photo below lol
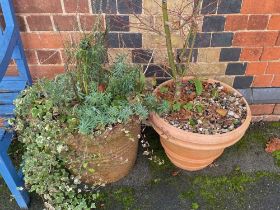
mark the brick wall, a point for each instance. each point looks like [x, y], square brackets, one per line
[238, 43]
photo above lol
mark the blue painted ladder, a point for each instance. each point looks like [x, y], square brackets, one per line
[10, 86]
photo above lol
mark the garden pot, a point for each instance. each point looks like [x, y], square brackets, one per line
[193, 151]
[106, 158]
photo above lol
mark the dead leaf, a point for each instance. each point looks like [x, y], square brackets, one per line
[222, 112]
[273, 145]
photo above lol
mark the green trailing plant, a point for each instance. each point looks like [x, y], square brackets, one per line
[44, 118]
[87, 99]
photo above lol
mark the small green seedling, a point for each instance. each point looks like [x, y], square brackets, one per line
[188, 106]
[198, 86]
[164, 107]
[215, 93]
[199, 108]
[163, 89]
[176, 106]
[192, 122]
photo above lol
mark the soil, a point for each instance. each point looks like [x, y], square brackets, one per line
[214, 111]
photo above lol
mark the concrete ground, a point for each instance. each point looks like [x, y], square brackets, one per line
[244, 177]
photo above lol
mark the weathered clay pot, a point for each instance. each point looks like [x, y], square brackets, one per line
[107, 158]
[192, 151]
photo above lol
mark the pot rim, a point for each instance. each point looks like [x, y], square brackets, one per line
[207, 138]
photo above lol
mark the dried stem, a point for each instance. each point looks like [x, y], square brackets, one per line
[176, 20]
[169, 47]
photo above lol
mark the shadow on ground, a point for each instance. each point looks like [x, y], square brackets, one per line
[244, 177]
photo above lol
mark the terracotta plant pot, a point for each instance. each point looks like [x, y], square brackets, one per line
[193, 151]
[107, 158]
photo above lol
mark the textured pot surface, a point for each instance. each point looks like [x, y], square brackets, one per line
[193, 151]
[107, 158]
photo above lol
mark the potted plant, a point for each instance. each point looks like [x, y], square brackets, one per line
[202, 117]
[81, 130]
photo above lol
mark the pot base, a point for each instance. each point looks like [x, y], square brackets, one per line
[187, 161]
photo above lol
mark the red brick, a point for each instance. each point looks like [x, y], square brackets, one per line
[12, 70]
[276, 81]
[49, 57]
[74, 6]
[257, 22]
[251, 54]
[37, 6]
[66, 23]
[262, 109]
[39, 23]
[273, 68]
[260, 7]
[236, 22]
[274, 22]
[278, 40]
[271, 53]
[89, 21]
[31, 56]
[46, 71]
[262, 80]
[21, 23]
[257, 68]
[277, 109]
[52, 40]
[12, 62]
[255, 39]
[37, 41]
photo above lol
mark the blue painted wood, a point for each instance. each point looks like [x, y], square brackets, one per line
[13, 180]
[7, 110]
[7, 98]
[6, 141]
[12, 86]
[8, 12]
[12, 78]
[7, 44]
[2, 132]
[11, 48]
[9, 41]
[21, 62]
[11, 44]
